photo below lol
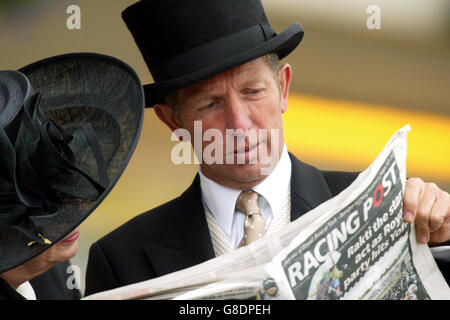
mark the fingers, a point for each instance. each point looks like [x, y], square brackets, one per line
[442, 236]
[411, 199]
[440, 218]
[423, 214]
[429, 207]
[440, 210]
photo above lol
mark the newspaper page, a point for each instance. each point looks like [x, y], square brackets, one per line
[249, 271]
[358, 248]
[362, 249]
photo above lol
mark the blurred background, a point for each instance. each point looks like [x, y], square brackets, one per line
[353, 87]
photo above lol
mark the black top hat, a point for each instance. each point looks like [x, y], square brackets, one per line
[68, 127]
[185, 41]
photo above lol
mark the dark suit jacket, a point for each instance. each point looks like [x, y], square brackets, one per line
[175, 235]
[51, 285]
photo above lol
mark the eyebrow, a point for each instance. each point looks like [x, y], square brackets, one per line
[195, 93]
[254, 81]
[200, 96]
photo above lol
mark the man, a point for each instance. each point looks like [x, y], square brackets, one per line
[215, 63]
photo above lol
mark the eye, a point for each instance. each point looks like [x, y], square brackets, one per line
[211, 105]
[254, 91]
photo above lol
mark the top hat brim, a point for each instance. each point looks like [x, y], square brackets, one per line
[76, 89]
[281, 44]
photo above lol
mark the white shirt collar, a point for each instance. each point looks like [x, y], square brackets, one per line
[221, 200]
[26, 290]
[275, 187]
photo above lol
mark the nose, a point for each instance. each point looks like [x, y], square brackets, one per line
[238, 113]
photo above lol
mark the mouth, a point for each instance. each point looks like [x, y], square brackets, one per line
[247, 149]
[72, 237]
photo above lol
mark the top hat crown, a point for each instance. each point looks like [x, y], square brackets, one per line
[186, 41]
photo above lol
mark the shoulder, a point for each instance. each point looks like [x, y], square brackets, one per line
[157, 218]
[150, 224]
[150, 227]
[336, 181]
[120, 257]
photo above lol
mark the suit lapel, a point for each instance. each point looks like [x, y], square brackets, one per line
[308, 188]
[186, 239]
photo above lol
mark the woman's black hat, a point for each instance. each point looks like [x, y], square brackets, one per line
[186, 41]
[68, 127]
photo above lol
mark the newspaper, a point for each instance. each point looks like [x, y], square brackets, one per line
[354, 246]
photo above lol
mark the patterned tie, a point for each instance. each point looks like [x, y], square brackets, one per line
[254, 224]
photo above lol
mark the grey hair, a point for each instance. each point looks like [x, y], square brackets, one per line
[271, 59]
[273, 62]
[172, 101]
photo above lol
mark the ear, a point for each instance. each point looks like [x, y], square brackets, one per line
[285, 75]
[166, 114]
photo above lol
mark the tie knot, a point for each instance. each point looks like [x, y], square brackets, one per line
[247, 202]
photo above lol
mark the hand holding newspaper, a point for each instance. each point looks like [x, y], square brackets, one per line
[353, 246]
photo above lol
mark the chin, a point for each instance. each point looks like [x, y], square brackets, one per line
[65, 251]
[248, 173]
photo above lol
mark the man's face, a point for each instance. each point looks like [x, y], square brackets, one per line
[245, 99]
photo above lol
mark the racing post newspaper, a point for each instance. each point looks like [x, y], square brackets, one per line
[353, 246]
